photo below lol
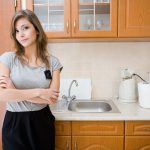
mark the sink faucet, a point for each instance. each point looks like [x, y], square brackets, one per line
[69, 97]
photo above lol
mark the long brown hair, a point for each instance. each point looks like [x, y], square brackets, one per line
[41, 41]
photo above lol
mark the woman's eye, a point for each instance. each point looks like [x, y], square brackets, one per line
[17, 31]
[25, 28]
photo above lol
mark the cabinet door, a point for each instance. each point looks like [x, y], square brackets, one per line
[54, 16]
[7, 10]
[134, 18]
[94, 18]
[63, 127]
[2, 112]
[137, 143]
[63, 143]
[97, 142]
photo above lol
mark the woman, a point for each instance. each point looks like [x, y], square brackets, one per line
[29, 81]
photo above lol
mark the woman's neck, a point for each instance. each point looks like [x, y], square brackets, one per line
[31, 52]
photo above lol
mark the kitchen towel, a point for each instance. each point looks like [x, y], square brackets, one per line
[82, 91]
[144, 94]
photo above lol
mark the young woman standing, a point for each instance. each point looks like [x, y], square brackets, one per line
[29, 81]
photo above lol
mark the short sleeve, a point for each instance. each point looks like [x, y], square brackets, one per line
[6, 59]
[56, 63]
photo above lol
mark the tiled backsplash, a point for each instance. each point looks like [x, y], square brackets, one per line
[102, 62]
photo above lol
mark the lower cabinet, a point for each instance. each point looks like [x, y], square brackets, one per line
[137, 135]
[63, 143]
[97, 135]
[63, 135]
[89, 135]
[102, 135]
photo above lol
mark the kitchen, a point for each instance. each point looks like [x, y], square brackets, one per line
[102, 59]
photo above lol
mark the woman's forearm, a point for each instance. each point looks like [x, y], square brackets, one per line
[38, 100]
[18, 95]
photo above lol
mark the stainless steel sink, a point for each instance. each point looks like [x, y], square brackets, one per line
[102, 106]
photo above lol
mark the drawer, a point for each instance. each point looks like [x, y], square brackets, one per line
[137, 128]
[97, 127]
[63, 127]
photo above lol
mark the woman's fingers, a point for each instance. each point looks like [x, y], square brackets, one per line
[3, 81]
[6, 80]
[3, 85]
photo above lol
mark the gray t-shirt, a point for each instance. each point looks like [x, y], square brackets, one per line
[27, 77]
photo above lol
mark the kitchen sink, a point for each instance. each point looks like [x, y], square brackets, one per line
[101, 106]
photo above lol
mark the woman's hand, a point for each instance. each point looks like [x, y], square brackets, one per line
[5, 82]
[51, 95]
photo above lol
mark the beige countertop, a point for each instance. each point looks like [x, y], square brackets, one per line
[128, 111]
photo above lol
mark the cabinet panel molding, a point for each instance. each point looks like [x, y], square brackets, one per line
[98, 128]
[137, 127]
[97, 142]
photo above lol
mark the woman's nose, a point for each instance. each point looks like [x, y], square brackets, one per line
[21, 34]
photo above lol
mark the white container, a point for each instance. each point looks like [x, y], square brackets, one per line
[128, 90]
[144, 94]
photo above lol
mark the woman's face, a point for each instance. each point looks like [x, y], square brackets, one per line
[25, 33]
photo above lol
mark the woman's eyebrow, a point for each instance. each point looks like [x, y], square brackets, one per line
[22, 26]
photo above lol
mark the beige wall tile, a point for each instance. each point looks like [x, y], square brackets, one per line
[102, 62]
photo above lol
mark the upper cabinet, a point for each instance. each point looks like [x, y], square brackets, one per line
[7, 10]
[93, 18]
[134, 18]
[54, 16]
[76, 18]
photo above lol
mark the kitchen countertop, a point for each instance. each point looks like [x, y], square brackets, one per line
[128, 111]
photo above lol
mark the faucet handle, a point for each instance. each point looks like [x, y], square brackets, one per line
[73, 97]
[64, 97]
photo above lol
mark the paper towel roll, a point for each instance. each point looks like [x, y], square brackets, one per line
[144, 94]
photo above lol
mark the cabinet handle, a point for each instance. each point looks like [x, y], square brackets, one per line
[67, 26]
[74, 25]
[67, 146]
[147, 129]
[75, 146]
[15, 3]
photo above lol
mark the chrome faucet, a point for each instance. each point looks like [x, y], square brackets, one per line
[69, 97]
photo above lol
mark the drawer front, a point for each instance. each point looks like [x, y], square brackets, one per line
[98, 128]
[63, 127]
[137, 127]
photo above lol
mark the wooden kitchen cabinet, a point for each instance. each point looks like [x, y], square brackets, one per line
[76, 18]
[86, 19]
[63, 135]
[7, 10]
[134, 18]
[137, 135]
[95, 135]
